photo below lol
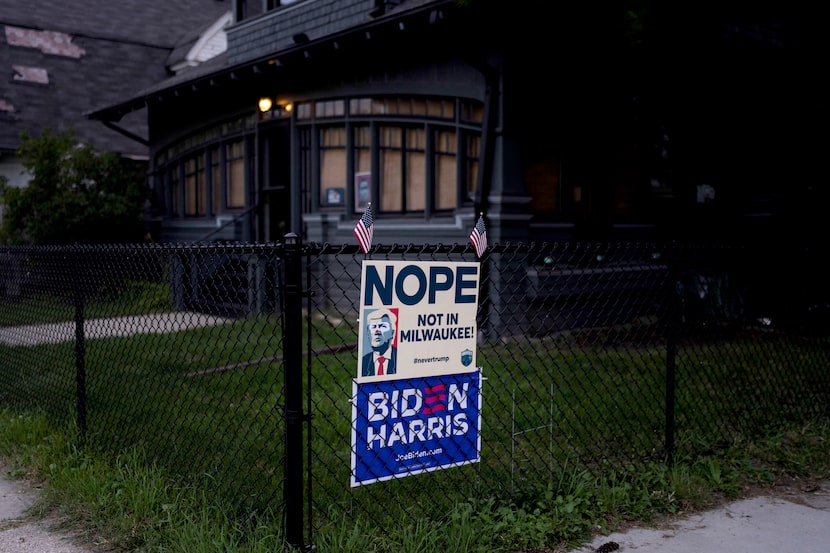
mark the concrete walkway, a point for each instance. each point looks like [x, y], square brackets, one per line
[20, 533]
[794, 522]
[32, 335]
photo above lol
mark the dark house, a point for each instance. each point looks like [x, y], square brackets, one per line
[61, 60]
[558, 122]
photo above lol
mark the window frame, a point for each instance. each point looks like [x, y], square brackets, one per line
[213, 190]
[427, 117]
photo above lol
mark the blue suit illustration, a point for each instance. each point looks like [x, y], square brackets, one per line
[381, 326]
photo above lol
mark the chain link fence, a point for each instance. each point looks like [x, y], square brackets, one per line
[235, 363]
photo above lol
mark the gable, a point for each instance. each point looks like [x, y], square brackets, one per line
[61, 60]
[207, 45]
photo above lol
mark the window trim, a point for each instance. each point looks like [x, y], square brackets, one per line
[355, 114]
[171, 163]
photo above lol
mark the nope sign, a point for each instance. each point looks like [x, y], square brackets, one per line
[426, 311]
[412, 284]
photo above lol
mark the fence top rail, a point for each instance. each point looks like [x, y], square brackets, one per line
[168, 248]
[315, 248]
[572, 247]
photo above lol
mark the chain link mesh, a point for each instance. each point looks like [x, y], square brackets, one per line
[594, 356]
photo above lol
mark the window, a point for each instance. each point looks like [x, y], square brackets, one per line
[194, 177]
[443, 109]
[472, 161]
[472, 112]
[246, 9]
[216, 180]
[360, 106]
[403, 177]
[446, 170]
[205, 174]
[362, 167]
[303, 111]
[332, 160]
[391, 169]
[416, 170]
[175, 191]
[235, 156]
[417, 154]
[331, 108]
[363, 149]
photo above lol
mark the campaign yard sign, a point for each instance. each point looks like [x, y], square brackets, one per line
[410, 426]
[416, 397]
[420, 315]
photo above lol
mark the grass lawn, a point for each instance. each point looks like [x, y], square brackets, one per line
[573, 434]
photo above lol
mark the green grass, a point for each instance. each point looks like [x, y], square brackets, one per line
[209, 401]
[184, 445]
[128, 503]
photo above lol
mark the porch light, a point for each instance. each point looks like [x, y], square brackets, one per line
[265, 104]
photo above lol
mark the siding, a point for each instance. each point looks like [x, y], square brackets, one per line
[274, 31]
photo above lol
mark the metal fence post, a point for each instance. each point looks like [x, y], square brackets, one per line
[80, 347]
[293, 355]
[674, 322]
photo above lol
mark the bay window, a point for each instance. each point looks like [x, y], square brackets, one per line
[410, 155]
[205, 173]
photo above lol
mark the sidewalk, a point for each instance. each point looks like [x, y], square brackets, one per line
[794, 522]
[22, 534]
[54, 333]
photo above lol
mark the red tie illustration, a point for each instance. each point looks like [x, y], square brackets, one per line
[380, 365]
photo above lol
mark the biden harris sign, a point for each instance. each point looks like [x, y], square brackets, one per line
[416, 403]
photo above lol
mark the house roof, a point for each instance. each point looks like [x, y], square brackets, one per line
[287, 50]
[223, 68]
[60, 60]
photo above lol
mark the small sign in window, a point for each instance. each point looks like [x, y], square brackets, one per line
[362, 190]
[335, 196]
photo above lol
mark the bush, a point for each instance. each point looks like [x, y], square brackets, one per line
[75, 195]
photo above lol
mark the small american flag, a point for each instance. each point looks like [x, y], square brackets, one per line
[364, 229]
[478, 238]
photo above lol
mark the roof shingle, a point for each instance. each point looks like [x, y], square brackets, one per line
[60, 60]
